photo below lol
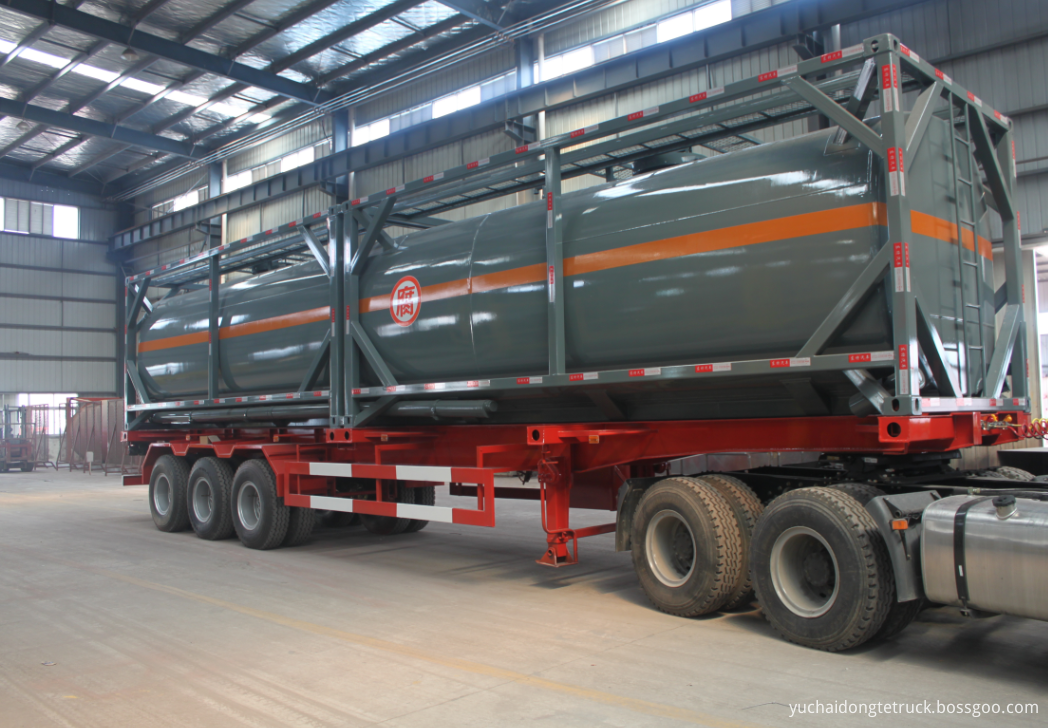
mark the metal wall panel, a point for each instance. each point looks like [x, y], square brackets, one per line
[86, 344]
[613, 20]
[31, 312]
[276, 148]
[88, 315]
[436, 85]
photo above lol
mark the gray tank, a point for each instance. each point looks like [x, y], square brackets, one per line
[725, 259]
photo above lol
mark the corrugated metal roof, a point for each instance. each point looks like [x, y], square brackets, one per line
[254, 35]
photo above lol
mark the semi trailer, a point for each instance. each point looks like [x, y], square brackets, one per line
[833, 294]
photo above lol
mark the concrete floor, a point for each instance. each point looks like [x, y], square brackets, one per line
[452, 626]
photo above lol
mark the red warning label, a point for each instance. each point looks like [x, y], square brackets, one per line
[405, 301]
[904, 356]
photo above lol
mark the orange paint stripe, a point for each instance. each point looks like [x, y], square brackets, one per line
[935, 227]
[251, 327]
[783, 228]
[810, 223]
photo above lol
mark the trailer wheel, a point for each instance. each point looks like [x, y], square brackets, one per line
[389, 525]
[687, 550]
[821, 569]
[862, 492]
[337, 519]
[258, 517]
[167, 493]
[747, 508]
[899, 617]
[424, 496]
[1010, 473]
[208, 504]
[300, 526]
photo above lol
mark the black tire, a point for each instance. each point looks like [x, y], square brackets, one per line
[337, 519]
[3, 466]
[259, 518]
[899, 617]
[299, 526]
[747, 508]
[1010, 473]
[167, 493]
[28, 466]
[209, 498]
[388, 525]
[862, 492]
[687, 550]
[425, 495]
[820, 550]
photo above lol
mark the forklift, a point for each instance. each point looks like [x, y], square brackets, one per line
[16, 447]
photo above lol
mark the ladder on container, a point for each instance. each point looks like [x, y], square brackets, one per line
[968, 383]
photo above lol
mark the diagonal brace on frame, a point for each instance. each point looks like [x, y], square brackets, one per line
[837, 113]
[371, 354]
[320, 359]
[921, 116]
[931, 345]
[984, 153]
[849, 303]
[1002, 351]
[317, 250]
[372, 234]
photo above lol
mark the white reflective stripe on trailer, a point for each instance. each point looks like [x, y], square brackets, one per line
[337, 470]
[442, 514]
[325, 503]
[423, 472]
[424, 513]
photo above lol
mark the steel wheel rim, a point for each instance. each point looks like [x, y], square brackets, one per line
[249, 506]
[162, 495]
[203, 500]
[671, 548]
[805, 572]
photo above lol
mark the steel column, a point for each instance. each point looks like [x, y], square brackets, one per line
[555, 263]
[904, 306]
[214, 278]
[338, 258]
[1013, 268]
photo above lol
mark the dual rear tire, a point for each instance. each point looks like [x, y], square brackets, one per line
[818, 562]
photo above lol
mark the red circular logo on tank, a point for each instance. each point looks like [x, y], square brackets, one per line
[405, 301]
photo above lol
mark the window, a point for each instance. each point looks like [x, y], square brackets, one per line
[238, 180]
[181, 202]
[713, 14]
[456, 102]
[370, 132]
[674, 27]
[40, 218]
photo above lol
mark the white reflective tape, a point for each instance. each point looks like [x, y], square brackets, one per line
[787, 70]
[802, 362]
[424, 513]
[882, 356]
[423, 472]
[326, 503]
[332, 470]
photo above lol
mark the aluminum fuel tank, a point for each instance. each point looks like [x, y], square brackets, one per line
[1005, 556]
[729, 258]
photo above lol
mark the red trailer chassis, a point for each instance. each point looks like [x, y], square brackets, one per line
[578, 465]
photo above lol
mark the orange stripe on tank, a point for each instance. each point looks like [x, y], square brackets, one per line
[935, 227]
[755, 233]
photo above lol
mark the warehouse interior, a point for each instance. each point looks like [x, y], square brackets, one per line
[138, 134]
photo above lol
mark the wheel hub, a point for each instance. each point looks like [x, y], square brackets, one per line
[804, 572]
[670, 546]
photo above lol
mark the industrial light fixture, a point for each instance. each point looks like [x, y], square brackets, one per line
[129, 54]
[23, 125]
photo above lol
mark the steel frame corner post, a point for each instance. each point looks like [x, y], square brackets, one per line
[904, 308]
[213, 305]
[130, 355]
[338, 260]
[555, 263]
[349, 279]
[1013, 271]
[134, 390]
